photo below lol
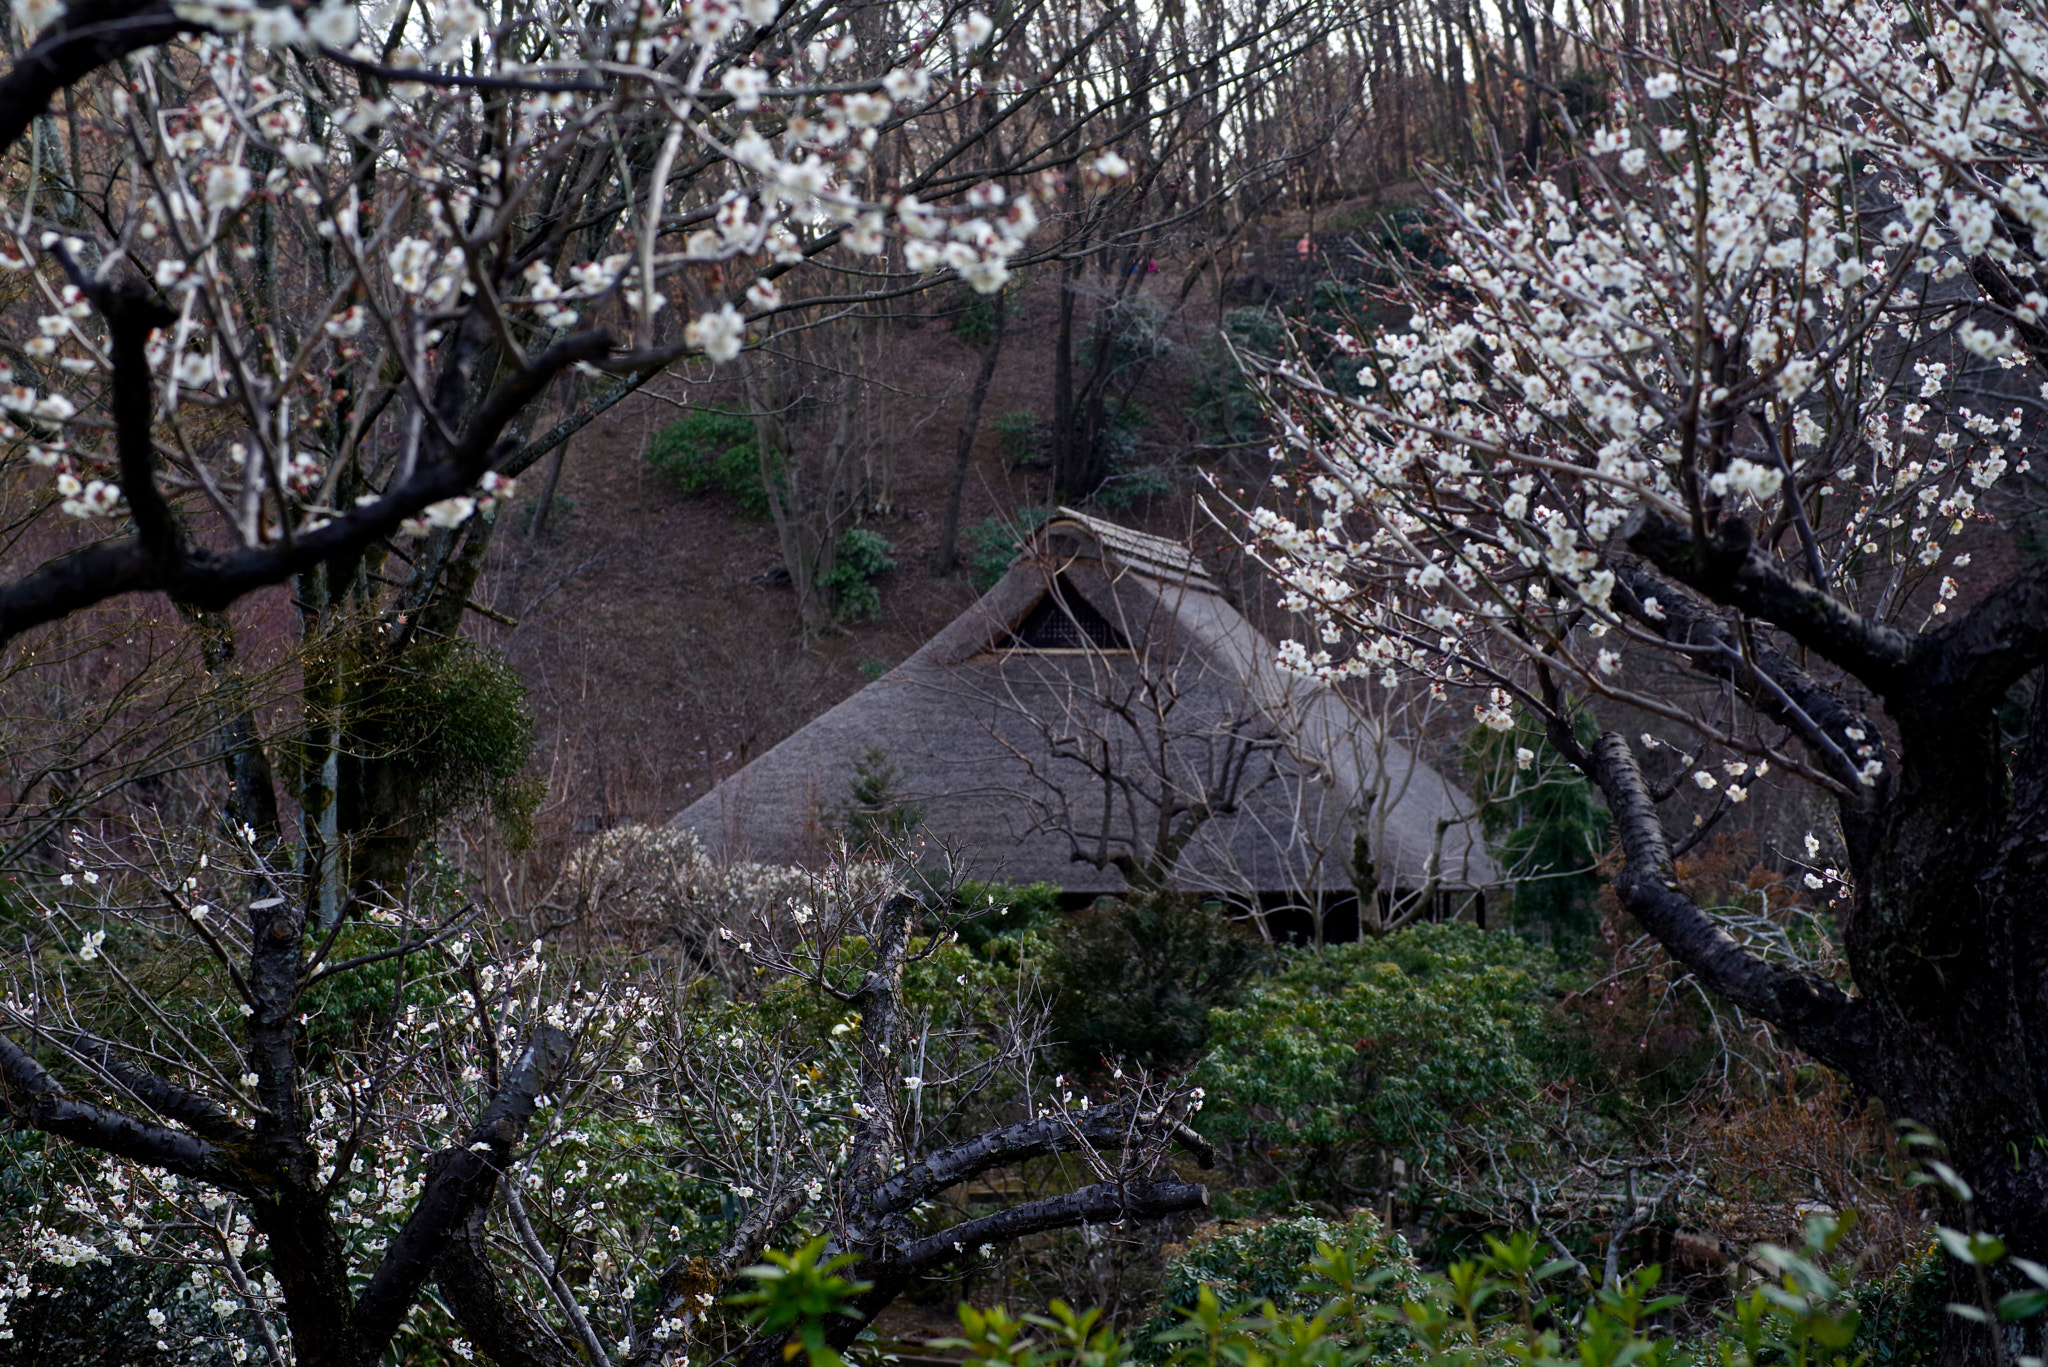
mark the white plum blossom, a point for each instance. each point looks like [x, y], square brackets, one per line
[410, 259]
[1744, 476]
[865, 109]
[450, 512]
[275, 26]
[908, 83]
[37, 15]
[333, 24]
[972, 31]
[226, 187]
[1482, 482]
[745, 84]
[719, 334]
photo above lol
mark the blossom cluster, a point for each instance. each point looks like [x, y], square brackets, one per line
[1754, 304]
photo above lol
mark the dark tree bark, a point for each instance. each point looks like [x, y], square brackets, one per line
[970, 427]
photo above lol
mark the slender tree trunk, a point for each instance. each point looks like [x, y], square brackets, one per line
[970, 427]
[543, 508]
[1532, 139]
[325, 696]
[1064, 456]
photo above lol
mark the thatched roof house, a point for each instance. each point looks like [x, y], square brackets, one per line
[1104, 716]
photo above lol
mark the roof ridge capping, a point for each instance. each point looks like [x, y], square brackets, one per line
[1156, 557]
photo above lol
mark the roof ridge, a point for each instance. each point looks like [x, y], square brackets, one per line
[1158, 556]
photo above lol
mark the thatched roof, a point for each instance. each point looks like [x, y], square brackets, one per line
[1104, 674]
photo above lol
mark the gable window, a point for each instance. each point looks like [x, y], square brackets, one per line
[1064, 620]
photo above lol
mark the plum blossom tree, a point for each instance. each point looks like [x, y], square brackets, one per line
[1703, 424]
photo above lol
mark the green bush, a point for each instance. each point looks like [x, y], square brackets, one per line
[974, 313]
[878, 815]
[712, 451]
[993, 544]
[1135, 981]
[1225, 409]
[1137, 333]
[985, 915]
[1508, 1306]
[95, 1314]
[1128, 483]
[1274, 1261]
[1355, 1055]
[1023, 439]
[343, 1011]
[1903, 1311]
[1429, 952]
[455, 715]
[863, 555]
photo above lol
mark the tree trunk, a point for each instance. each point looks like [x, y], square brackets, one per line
[1946, 935]
[1064, 456]
[970, 427]
[538, 527]
[319, 767]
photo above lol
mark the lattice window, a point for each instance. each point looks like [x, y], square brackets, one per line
[1064, 620]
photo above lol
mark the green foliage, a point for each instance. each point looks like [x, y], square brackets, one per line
[1224, 405]
[1548, 828]
[454, 714]
[1429, 952]
[1255, 330]
[987, 915]
[1393, 1049]
[863, 555]
[1902, 1312]
[995, 1336]
[341, 1011]
[993, 544]
[22, 1185]
[712, 451]
[1137, 333]
[1275, 1262]
[73, 1305]
[797, 1295]
[1128, 483]
[974, 313]
[961, 1004]
[878, 814]
[1023, 439]
[1390, 237]
[1135, 980]
[1367, 1305]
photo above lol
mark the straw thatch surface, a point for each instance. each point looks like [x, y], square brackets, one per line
[1022, 760]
